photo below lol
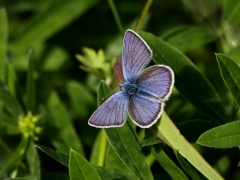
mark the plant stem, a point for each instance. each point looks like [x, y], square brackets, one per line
[116, 16]
[143, 15]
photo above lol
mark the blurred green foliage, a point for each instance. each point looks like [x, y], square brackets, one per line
[53, 54]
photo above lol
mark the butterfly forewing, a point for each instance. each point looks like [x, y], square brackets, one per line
[111, 113]
[136, 55]
[144, 112]
[157, 80]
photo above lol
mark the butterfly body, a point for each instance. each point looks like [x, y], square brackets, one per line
[142, 92]
[132, 89]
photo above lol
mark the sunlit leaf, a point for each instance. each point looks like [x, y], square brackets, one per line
[99, 149]
[187, 167]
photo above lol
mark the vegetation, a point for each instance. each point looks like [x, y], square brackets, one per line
[57, 56]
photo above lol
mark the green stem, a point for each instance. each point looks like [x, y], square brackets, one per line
[143, 15]
[116, 16]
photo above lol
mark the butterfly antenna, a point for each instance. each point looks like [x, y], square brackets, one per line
[109, 94]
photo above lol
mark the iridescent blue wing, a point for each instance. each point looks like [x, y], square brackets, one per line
[158, 80]
[111, 113]
[135, 56]
[143, 111]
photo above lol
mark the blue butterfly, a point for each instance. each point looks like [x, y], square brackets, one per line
[142, 92]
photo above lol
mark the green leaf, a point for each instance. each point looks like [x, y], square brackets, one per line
[33, 162]
[168, 132]
[80, 97]
[99, 149]
[231, 11]
[58, 156]
[10, 124]
[192, 129]
[79, 168]
[167, 163]
[187, 167]
[30, 84]
[54, 59]
[16, 157]
[230, 74]
[188, 80]
[190, 38]
[3, 42]
[114, 162]
[150, 139]
[61, 119]
[104, 173]
[107, 174]
[9, 101]
[225, 136]
[126, 145]
[54, 18]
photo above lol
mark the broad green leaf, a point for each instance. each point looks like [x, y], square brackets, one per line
[9, 101]
[168, 132]
[49, 22]
[107, 174]
[3, 42]
[33, 162]
[79, 168]
[167, 163]
[104, 173]
[192, 129]
[190, 38]
[80, 97]
[9, 124]
[187, 167]
[114, 162]
[99, 149]
[30, 84]
[230, 73]
[58, 156]
[126, 145]
[188, 80]
[16, 157]
[225, 136]
[61, 119]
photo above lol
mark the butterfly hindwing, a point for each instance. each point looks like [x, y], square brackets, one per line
[111, 113]
[136, 55]
[143, 111]
[158, 80]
